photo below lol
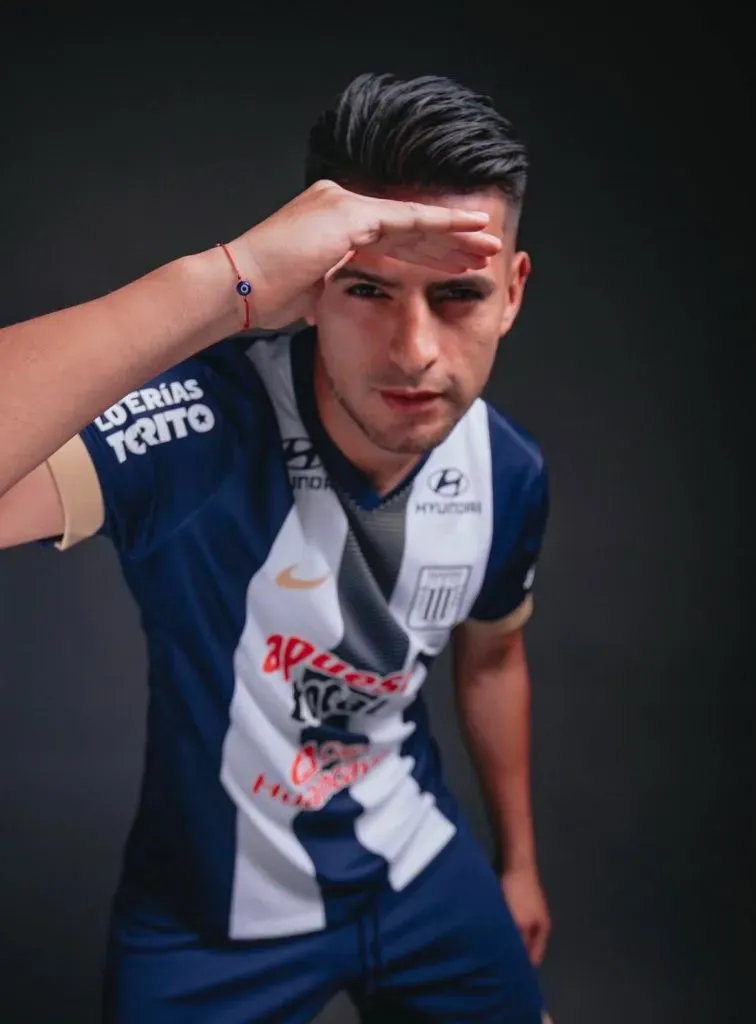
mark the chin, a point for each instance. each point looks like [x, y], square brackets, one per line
[411, 437]
[415, 441]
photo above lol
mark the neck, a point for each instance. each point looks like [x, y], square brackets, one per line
[384, 469]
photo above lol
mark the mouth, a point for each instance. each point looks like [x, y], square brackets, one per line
[407, 400]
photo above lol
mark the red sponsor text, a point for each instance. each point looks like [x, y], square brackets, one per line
[323, 782]
[287, 652]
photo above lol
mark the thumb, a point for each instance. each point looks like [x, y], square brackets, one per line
[344, 260]
[304, 305]
[538, 944]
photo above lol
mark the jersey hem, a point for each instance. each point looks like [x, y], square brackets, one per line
[515, 619]
[276, 928]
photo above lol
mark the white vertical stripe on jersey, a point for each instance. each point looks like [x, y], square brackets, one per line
[400, 822]
[275, 891]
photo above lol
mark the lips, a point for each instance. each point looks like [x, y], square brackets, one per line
[409, 400]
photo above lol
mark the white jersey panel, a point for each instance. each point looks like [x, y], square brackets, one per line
[275, 890]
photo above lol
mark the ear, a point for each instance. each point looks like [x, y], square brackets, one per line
[519, 272]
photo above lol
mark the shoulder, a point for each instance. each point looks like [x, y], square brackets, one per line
[520, 508]
[233, 358]
[208, 402]
[224, 376]
[517, 459]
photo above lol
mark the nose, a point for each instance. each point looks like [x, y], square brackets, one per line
[414, 344]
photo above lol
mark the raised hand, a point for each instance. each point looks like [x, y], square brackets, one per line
[289, 255]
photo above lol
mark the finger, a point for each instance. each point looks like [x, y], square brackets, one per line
[477, 242]
[527, 933]
[389, 217]
[452, 263]
[539, 943]
[425, 217]
[440, 255]
[435, 246]
[440, 246]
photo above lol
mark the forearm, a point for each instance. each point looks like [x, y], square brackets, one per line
[59, 371]
[494, 704]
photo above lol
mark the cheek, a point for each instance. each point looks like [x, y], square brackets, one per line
[345, 355]
[474, 371]
[365, 319]
[470, 360]
[353, 332]
[476, 346]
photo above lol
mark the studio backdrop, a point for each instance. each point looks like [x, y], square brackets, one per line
[631, 363]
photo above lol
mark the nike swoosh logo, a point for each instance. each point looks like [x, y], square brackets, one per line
[287, 579]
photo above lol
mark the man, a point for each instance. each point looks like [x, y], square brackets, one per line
[304, 520]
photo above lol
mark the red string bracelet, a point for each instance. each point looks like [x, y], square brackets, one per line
[243, 287]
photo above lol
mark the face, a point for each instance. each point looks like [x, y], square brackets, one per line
[403, 351]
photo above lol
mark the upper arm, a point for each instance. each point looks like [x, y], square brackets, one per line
[506, 597]
[148, 463]
[484, 647]
[31, 510]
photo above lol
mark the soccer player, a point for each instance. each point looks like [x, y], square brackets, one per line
[305, 517]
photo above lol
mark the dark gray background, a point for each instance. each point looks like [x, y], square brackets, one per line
[631, 363]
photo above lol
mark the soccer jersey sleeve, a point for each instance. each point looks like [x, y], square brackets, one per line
[521, 516]
[152, 460]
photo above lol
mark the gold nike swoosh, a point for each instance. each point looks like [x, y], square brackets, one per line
[286, 578]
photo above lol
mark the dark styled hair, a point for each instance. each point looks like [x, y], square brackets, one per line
[428, 133]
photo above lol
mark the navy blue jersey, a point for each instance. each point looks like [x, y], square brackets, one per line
[291, 614]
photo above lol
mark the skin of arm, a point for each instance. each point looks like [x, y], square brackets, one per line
[121, 339]
[492, 685]
[61, 370]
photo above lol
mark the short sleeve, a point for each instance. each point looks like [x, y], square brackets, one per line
[507, 591]
[148, 463]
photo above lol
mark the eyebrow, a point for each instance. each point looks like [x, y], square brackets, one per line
[485, 284]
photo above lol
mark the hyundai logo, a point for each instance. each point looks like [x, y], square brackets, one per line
[300, 453]
[448, 483]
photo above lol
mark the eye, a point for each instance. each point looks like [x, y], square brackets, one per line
[363, 290]
[459, 294]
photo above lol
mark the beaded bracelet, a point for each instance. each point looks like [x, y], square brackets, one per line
[243, 287]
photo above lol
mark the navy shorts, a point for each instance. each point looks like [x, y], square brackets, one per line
[444, 950]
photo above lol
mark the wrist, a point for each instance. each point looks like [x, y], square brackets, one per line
[520, 867]
[212, 281]
[251, 252]
[518, 856]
